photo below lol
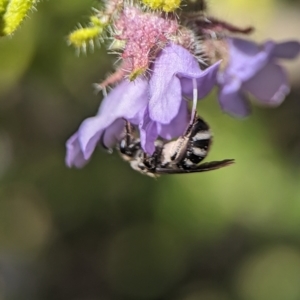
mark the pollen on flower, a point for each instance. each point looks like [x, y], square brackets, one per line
[165, 5]
[136, 73]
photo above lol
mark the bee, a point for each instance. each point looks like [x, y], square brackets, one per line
[180, 156]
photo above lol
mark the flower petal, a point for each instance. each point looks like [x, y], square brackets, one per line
[247, 58]
[165, 101]
[74, 155]
[165, 87]
[232, 100]
[253, 68]
[287, 50]
[125, 101]
[113, 133]
[178, 125]
[270, 85]
[205, 81]
[148, 134]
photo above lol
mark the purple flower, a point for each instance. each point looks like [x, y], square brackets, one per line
[156, 105]
[253, 68]
[176, 76]
[127, 101]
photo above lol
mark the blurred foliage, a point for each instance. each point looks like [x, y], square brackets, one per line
[107, 232]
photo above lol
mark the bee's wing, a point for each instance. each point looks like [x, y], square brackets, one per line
[209, 166]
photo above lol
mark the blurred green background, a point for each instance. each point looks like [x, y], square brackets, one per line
[107, 232]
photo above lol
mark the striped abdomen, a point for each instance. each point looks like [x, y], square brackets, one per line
[200, 139]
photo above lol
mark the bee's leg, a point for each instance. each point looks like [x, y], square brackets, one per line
[195, 99]
[180, 145]
[126, 145]
[128, 133]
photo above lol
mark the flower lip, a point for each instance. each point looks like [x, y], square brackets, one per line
[127, 100]
[74, 155]
[270, 85]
